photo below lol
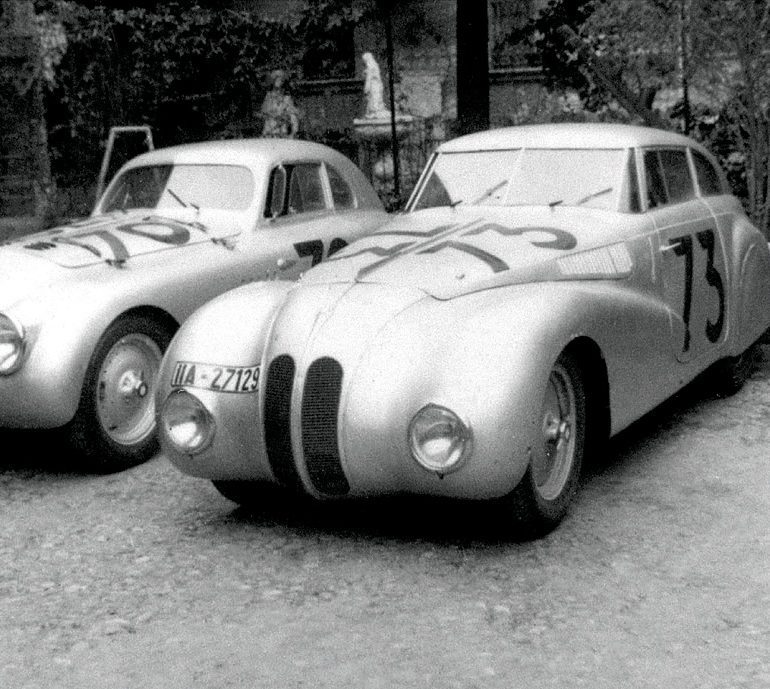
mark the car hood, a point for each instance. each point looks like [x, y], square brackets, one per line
[446, 252]
[116, 237]
[21, 275]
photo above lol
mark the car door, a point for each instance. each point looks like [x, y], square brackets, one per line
[691, 255]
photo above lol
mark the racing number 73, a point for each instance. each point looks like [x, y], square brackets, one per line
[683, 246]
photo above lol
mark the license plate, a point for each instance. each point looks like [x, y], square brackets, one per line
[218, 378]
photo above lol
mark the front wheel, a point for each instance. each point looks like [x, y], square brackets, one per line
[252, 494]
[543, 496]
[114, 426]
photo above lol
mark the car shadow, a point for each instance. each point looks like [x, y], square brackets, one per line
[37, 452]
[696, 397]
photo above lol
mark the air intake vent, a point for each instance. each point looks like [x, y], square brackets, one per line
[280, 380]
[320, 406]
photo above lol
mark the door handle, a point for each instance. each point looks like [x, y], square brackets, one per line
[285, 263]
[670, 247]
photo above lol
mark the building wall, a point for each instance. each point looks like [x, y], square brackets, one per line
[425, 57]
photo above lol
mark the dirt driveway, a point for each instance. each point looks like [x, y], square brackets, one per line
[660, 577]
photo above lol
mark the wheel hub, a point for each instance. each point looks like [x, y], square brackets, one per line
[132, 385]
[556, 429]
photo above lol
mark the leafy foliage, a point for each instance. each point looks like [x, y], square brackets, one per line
[660, 50]
[190, 71]
[647, 46]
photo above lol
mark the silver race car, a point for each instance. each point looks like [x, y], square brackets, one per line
[87, 310]
[547, 286]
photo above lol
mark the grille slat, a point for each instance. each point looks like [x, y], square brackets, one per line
[280, 381]
[320, 407]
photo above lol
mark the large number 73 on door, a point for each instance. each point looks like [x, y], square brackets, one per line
[703, 307]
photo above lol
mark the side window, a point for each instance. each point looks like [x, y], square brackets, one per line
[306, 192]
[656, 187]
[676, 172]
[276, 193]
[632, 201]
[341, 191]
[709, 181]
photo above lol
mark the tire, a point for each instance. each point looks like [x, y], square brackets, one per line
[729, 375]
[250, 494]
[543, 496]
[114, 426]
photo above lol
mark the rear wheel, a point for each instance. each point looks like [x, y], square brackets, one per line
[114, 426]
[730, 374]
[544, 494]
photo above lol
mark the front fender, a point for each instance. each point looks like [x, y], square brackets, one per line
[63, 325]
[487, 356]
[229, 331]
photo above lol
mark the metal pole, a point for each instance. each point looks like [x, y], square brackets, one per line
[393, 133]
[684, 61]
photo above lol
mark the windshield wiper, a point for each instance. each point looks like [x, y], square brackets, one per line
[165, 219]
[176, 197]
[602, 192]
[489, 191]
[181, 201]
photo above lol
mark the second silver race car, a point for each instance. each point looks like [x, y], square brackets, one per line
[547, 286]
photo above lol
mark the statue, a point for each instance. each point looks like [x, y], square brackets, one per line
[281, 117]
[375, 106]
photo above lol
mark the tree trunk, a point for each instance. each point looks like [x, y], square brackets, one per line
[472, 66]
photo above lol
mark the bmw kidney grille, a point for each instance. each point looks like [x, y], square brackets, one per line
[319, 413]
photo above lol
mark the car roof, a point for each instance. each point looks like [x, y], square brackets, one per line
[235, 151]
[260, 154]
[567, 135]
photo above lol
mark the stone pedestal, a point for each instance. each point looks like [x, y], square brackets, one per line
[375, 155]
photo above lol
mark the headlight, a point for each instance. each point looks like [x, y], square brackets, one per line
[186, 423]
[12, 345]
[438, 439]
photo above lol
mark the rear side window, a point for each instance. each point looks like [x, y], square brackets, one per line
[656, 187]
[342, 194]
[676, 171]
[306, 192]
[709, 181]
[295, 189]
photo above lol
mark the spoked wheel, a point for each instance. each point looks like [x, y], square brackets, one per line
[554, 455]
[114, 427]
[543, 495]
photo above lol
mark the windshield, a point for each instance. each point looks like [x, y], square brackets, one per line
[534, 176]
[223, 187]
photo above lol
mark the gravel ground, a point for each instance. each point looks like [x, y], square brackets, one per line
[659, 577]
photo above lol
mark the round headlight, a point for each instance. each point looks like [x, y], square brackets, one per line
[438, 439]
[185, 423]
[12, 345]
